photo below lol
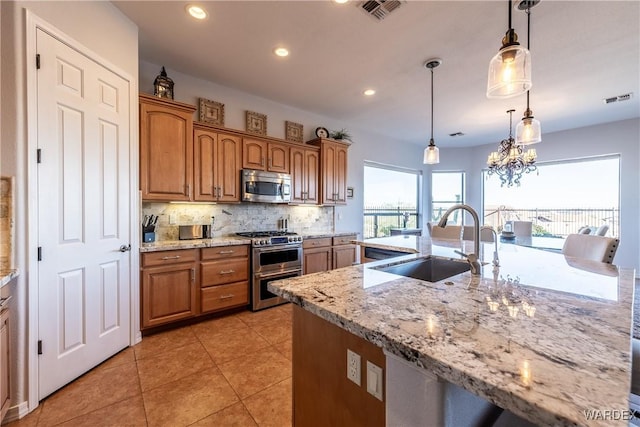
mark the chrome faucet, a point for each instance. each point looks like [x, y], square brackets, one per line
[496, 260]
[473, 257]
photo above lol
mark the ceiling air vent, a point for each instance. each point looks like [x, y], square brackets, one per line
[625, 97]
[380, 9]
[456, 134]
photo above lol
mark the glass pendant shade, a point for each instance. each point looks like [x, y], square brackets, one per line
[431, 154]
[528, 131]
[509, 72]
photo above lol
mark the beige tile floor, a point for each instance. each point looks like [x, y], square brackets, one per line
[229, 371]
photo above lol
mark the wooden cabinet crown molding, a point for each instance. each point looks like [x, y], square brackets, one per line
[150, 99]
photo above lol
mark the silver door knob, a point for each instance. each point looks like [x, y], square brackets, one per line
[125, 248]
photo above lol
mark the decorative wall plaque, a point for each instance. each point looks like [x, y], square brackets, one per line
[256, 123]
[211, 112]
[293, 131]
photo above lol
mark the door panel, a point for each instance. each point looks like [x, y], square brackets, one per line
[84, 213]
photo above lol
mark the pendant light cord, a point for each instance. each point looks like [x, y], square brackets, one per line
[510, 125]
[509, 9]
[431, 105]
[528, 44]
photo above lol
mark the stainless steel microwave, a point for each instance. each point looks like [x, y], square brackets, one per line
[265, 187]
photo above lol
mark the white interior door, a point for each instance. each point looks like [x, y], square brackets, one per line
[83, 213]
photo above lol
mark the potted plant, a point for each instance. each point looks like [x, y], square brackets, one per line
[340, 135]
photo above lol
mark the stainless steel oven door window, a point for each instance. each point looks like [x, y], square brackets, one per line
[266, 187]
[261, 297]
[277, 258]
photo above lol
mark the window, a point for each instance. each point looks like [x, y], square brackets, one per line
[447, 189]
[564, 197]
[391, 199]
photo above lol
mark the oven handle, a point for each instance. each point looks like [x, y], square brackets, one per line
[279, 273]
[278, 248]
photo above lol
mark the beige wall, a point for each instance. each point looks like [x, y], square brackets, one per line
[101, 28]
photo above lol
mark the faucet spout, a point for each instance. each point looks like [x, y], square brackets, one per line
[472, 258]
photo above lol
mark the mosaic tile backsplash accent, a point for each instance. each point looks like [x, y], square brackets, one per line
[6, 223]
[230, 219]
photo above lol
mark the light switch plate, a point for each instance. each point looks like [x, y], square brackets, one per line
[374, 380]
[353, 366]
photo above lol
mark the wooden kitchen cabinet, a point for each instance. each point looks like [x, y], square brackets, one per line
[224, 277]
[5, 364]
[217, 159]
[304, 174]
[328, 253]
[333, 171]
[169, 280]
[316, 254]
[343, 251]
[166, 149]
[265, 155]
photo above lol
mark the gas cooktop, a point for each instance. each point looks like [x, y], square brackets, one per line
[271, 238]
[274, 233]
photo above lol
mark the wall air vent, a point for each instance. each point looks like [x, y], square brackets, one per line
[625, 97]
[380, 9]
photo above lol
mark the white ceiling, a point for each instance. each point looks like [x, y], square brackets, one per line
[581, 52]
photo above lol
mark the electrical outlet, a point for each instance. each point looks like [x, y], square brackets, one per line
[353, 366]
[374, 380]
[172, 219]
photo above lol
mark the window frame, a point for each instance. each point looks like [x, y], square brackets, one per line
[419, 185]
[463, 190]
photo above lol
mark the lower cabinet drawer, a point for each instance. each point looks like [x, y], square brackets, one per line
[224, 296]
[224, 271]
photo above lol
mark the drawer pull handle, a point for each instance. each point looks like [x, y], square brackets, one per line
[227, 296]
[225, 252]
[170, 257]
[227, 272]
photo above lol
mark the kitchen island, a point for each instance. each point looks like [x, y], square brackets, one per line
[544, 336]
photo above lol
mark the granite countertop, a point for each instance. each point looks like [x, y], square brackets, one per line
[311, 235]
[7, 275]
[169, 245]
[564, 351]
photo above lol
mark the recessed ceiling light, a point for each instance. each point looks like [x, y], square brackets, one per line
[369, 92]
[340, 1]
[197, 12]
[281, 51]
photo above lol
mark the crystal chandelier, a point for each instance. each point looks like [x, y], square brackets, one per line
[511, 161]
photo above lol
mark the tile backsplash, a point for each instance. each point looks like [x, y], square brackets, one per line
[230, 219]
[6, 223]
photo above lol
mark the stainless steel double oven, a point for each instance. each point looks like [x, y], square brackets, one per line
[275, 255]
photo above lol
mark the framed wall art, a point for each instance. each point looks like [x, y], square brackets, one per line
[211, 112]
[293, 132]
[256, 123]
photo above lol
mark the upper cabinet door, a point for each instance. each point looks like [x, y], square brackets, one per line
[312, 164]
[229, 164]
[204, 157]
[166, 150]
[278, 158]
[340, 183]
[254, 154]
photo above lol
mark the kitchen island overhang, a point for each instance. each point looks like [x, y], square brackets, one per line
[551, 365]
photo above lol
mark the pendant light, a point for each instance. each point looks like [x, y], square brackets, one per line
[431, 153]
[510, 68]
[528, 129]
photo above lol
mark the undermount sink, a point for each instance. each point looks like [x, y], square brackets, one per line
[430, 269]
